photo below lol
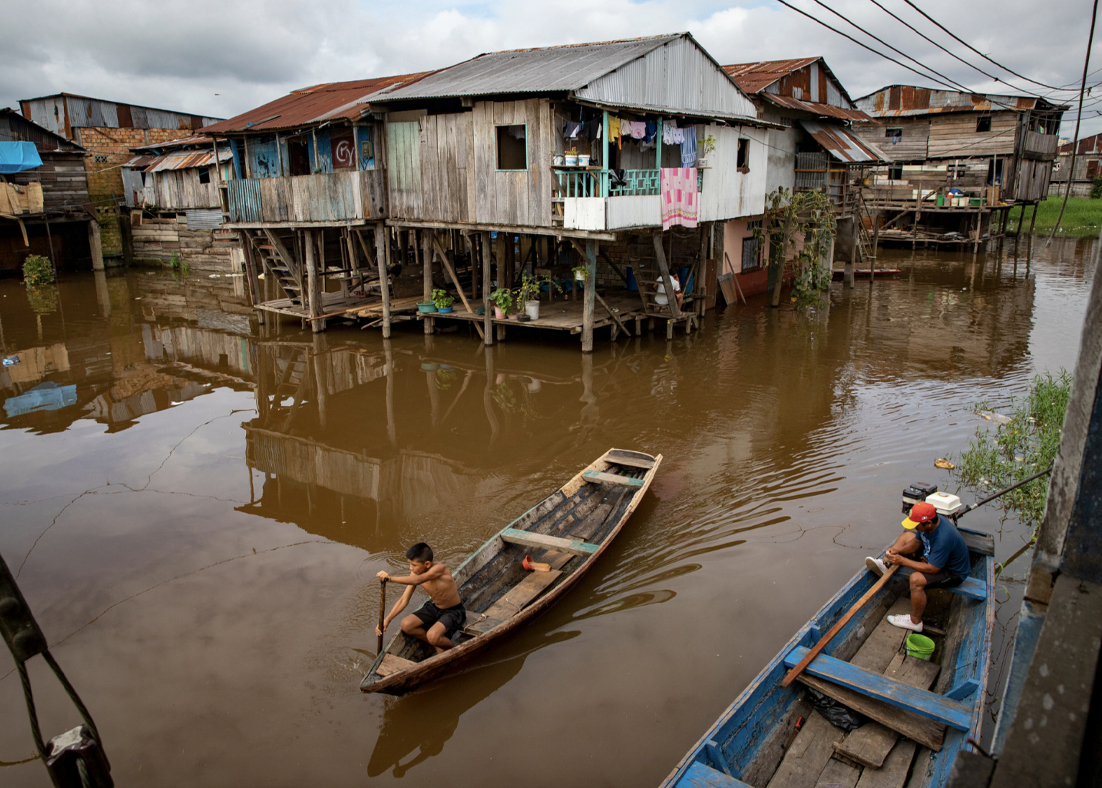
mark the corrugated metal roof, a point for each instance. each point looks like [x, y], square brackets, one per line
[841, 144]
[904, 100]
[182, 142]
[819, 109]
[543, 70]
[1087, 145]
[178, 160]
[15, 127]
[754, 77]
[311, 106]
[63, 112]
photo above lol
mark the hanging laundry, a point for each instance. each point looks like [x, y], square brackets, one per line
[593, 129]
[651, 130]
[613, 130]
[617, 178]
[688, 147]
[625, 127]
[571, 129]
[638, 129]
[669, 128]
[678, 196]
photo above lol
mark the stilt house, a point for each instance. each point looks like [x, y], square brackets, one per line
[538, 161]
[1088, 167]
[957, 161]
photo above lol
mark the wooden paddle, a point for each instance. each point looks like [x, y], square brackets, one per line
[382, 612]
[834, 630]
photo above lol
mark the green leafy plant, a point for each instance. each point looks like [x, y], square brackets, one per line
[441, 298]
[1021, 447]
[37, 270]
[1096, 188]
[43, 299]
[531, 287]
[707, 145]
[179, 268]
[502, 298]
[583, 270]
[798, 228]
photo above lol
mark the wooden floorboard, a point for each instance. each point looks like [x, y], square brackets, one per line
[560, 314]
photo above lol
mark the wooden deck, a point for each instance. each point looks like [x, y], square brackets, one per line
[564, 315]
[338, 305]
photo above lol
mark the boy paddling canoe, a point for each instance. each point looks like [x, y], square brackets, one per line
[933, 552]
[439, 617]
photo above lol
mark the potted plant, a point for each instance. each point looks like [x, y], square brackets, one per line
[426, 307]
[502, 299]
[571, 157]
[581, 273]
[706, 146]
[583, 159]
[442, 301]
[558, 159]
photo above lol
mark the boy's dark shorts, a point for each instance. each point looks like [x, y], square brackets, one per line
[453, 618]
[941, 579]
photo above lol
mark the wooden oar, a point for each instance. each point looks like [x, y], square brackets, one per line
[834, 630]
[382, 613]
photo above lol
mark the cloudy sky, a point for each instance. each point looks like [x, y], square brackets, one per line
[222, 57]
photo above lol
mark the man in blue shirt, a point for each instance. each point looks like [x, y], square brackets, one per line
[934, 552]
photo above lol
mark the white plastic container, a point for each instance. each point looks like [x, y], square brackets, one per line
[945, 503]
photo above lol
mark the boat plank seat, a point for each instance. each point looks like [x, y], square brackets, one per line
[701, 776]
[597, 477]
[392, 664]
[530, 539]
[971, 588]
[630, 459]
[921, 702]
[479, 623]
[516, 598]
[977, 542]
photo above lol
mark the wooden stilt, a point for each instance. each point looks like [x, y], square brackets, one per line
[487, 324]
[426, 263]
[1032, 219]
[667, 282]
[590, 296]
[314, 284]
[847, 277]
[382, 254]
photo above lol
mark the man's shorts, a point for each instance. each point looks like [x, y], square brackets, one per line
[940, 579]
[453, 618]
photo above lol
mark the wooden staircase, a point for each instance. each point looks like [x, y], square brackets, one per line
[278, 263]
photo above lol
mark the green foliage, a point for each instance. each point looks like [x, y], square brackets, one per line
[1082, 218]
[179, 268]
[441, 298]
[529, 289]
[795, 217]
[1096, 188]
[583, 270]
[502, 298]
[43, 299]
[37, 270]
[1024, 446]
[445, 378]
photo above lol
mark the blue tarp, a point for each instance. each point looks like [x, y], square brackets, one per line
[45, 396]
[17, 157]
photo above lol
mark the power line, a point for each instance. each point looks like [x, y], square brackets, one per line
[985, 57]
[1078, 121]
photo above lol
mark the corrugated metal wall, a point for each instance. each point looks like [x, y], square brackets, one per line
[676, 77]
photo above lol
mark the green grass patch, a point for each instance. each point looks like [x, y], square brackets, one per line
[1082, 218]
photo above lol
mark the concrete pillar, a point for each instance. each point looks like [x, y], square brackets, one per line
[96, 245]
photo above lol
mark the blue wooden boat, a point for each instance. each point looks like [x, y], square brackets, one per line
[914, 731]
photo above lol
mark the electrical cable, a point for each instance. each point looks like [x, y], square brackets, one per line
[1078, 121]
[985, 57]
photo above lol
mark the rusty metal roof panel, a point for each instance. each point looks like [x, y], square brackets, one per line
[855, 115]
[755, 77]
[543, 70]
[62, 112]
[186, 160]
[312, 105]
[139, 162]
[843, 144]
[906, 100]
[1087, 146]
[195, 140]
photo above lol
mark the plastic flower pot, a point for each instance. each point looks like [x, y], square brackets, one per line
[583, 160]
[444, 310]
[532, 308]
[426, 308]
[571, 160]
[498, 314]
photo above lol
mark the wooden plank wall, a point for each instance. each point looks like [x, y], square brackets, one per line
[913, 145]
[954, 135]
[63, 179]
[444, 167]
[181, 189]
[325, 197]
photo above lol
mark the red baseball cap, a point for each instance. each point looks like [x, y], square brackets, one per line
[920, 513]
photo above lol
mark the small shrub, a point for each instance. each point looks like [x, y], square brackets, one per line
[37, 271]
[1096, 188]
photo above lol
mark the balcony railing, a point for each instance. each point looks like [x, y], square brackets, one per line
[329, 197]
[600, 183]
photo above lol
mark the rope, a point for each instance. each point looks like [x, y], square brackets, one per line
[35, 732]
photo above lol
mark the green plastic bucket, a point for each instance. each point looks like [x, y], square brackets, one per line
[919, 646]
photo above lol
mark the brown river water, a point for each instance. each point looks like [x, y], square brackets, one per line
[196, 511]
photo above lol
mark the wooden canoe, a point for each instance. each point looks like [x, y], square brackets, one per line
[568, 529]
[921, 713]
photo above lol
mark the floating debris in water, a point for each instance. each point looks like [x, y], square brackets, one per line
[943, 464]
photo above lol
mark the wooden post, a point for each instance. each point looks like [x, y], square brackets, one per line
[474, 264]
[382, 256]
[96, 245]
[918, 215]
[1033, 219]
[667, 283]
[1021, 221]
[847, 279]
[426, 260]
[876, 235]
[589, 299]
[487, 322]
[391, 423]
[313, 284]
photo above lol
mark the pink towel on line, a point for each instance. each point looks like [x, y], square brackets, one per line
[678, 195]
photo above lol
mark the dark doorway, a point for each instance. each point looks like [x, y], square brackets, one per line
[299, 154]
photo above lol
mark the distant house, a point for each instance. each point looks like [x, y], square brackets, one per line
[44, 203]
[814, 148]
[107, 130]
[1088, 166]
[994, 150]
[172, 189]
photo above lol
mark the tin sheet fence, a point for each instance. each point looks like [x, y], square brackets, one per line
[330, 197]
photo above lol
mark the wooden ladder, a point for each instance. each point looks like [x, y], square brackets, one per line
[278, 263]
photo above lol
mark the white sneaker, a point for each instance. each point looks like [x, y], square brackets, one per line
[904, 622]
[876, 566]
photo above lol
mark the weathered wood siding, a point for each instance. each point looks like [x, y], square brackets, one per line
[181, 189]
[444, 167]
[341, 196]
[728, 193]
[63, 179]
[954, 135]
[202, 250]
[912, 146]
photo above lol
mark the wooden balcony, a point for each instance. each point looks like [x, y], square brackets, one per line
[1039, 146]
[346, 197]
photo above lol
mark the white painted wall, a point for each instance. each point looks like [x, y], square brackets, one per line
[782, 155]
[634, 211]
[584, 213]
[728, 193]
